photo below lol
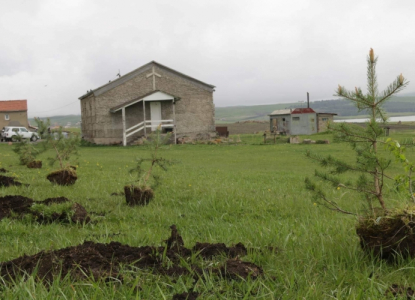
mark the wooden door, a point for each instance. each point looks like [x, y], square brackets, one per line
[155, 112]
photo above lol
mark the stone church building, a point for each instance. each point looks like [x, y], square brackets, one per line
[137, 103]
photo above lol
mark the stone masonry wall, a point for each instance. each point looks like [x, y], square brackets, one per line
[109, 125]
[194, 112]
[88, 118]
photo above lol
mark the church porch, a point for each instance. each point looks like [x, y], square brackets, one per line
[157, 109]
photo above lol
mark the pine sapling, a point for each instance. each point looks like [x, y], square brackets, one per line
[142, 191]
[370, 167]
[27, 152]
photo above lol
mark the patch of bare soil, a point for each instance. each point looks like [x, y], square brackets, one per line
[208, 250]
[80, 215]
[401, 291]
[50, 218]
[20, 206]
[3, 170]
[103, 261]
[36, 164]
[8, 181]
[235, 268]
[137, 196]
[390, 237]
[186, 296]
[17, 204]
[63, 177]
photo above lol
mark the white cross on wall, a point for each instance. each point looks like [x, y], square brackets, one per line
[154, 74]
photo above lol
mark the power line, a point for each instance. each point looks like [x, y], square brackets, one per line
[38, 112]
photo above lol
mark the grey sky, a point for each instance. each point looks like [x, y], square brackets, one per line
[254, 52]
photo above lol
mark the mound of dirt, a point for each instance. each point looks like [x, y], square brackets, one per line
[137, 196]
[63, 177]
[175, 240]
[240, 269]
[390, 237]
[36, 164]
[8, 181]
[103, 261]
[17, 204]
[20, 206]
[208, 250]
[80, 215]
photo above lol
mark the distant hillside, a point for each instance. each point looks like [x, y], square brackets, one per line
[402, 105]
[396, 106]
[74, 120]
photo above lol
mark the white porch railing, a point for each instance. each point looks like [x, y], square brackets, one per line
[127, 133]
[146, 124]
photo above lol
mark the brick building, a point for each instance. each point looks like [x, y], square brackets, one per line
[137, 103]
[13, 113]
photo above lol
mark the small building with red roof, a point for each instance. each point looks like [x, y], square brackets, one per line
[13, 113]
[298, 121]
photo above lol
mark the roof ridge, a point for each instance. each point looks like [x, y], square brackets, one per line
[125, 77]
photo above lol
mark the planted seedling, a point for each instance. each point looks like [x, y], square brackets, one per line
[142, 190]
[27, 153]
[65, 146]
[383, 230]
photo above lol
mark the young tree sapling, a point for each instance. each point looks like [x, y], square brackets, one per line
[379, 227]
[142, 191]
[65, 146]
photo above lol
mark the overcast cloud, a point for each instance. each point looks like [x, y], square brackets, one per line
[254, 52]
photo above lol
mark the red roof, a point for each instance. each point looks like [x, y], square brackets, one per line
[13, 105]
[302, 111]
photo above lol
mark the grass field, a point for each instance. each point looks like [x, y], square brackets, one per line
[249, 193]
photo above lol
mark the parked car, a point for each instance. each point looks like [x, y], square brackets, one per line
[10, 133]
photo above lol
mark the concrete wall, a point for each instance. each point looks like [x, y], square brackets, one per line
[14, 117]
[194, 112]
[280, 123]
[323, 120]
[305, 124]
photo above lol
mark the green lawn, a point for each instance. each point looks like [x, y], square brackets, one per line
[249, 193]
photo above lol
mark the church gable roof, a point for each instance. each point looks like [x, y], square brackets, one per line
[106, 87]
